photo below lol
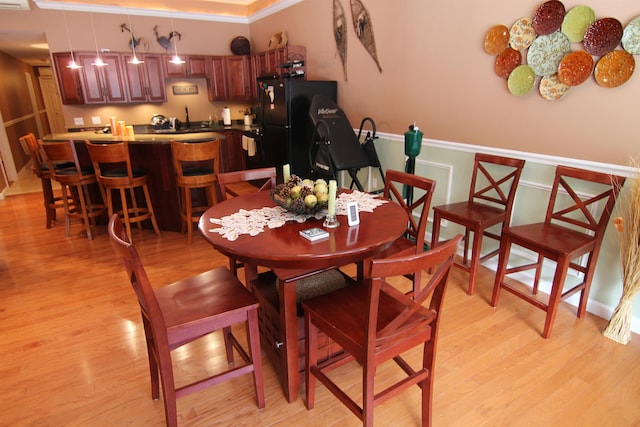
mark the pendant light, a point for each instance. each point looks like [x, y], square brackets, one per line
[98, 62]
[176, 59]
[73, 64]
[134, 60]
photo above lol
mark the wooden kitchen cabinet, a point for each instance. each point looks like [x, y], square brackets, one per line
[145, 82]
[217, 82]
[101, 85]
[238, 77]
[68, 79]
[267, 63]
[232, 155]
[194, 66]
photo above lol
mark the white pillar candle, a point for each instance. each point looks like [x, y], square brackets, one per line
[331, 208]
[286, 172]
[114, 125]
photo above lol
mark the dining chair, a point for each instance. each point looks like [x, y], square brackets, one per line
[260, 179]
[375, 322]
[494, 181]
[74, 181]
[577, 215]
[185, 311]
[112, 164]
[196, 165]
[40, 168]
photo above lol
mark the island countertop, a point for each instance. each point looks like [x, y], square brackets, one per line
[139, 138]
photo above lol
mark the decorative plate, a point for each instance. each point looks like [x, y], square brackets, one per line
[602, 36]
[631, 37]
[522, 34]
[507, 61]
[575, 68]
[548, 18]
[614, 69]
[551, 88]
[521, 80]
[546, 52]
[240, 46]
[496, 40]
[576, 22]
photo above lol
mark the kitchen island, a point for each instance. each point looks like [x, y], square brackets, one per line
[152, 152]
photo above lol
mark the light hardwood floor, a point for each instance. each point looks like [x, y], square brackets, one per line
[72, 348]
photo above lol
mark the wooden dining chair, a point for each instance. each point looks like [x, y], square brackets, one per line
[40, 168]
[196, 165]
[261, 179]
[571, 236]
[494, 181]
[112, 164]
[375, 322]
[185, 311]
[74, 181]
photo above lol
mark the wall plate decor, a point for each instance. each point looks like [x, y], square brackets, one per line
[576, 22]
[614, 69]
[551, 88]
[602, 36]
[548, 18]
[631, 37]
[575, 68]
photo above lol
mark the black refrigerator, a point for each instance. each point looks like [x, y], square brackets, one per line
[287, 130]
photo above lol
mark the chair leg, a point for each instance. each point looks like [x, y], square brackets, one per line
[428, 362]
[47, 193]
[228, 346]
[503, 258]
[147, 199]
[67, 211]
[253, 334]
[134, 203]
[475, 260]
[83, 211]
[311, 356]
[368, 376]
[125, 212]
[562, 267]
[188, 214]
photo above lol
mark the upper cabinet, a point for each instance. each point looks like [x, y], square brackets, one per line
[217, 83]
[68, 79]
[145, 82]
[268, 63]
[194, 66]
[105, 84]
[238, 77]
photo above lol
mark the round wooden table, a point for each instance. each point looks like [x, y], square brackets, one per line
[283, 248]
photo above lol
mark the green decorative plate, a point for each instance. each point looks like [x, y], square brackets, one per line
[576, 22]
[521, 80]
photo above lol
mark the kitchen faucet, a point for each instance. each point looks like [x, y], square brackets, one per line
[186, 110]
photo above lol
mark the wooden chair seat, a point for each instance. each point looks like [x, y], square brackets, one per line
[574, 226]
[196, 166]
[115, 173]
[494, 181]
[185, 311]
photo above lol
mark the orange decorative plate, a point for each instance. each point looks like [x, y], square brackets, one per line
[496, 40]
[575, 68]
[507, 61]
[614, 69]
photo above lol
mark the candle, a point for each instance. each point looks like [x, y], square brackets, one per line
[130, 131]
[286, 172]
[122, 128]
[331, 208]
[114, 128]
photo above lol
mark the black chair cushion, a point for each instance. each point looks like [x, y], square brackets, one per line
[196, 171]
[122, 172]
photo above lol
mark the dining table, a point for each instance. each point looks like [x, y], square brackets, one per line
[278, 245]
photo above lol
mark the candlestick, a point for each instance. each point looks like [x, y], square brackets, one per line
[286, 172]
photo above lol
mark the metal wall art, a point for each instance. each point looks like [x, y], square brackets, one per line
[563, 49]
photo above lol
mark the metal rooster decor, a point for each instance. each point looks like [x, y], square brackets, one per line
[163, 41]
[133, 41]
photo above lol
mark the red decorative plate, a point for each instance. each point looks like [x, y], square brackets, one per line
[602, 36]
[507, 61]
[496, 40]
[575, 68]
[548, 18]
[614, 69]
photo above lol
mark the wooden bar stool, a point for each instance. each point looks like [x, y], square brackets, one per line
[75, 179]
[112, 165]
[40, 168]
[196, 166]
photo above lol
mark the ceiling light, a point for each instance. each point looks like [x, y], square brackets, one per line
[98, 62]
[73, 65]
[134, 60]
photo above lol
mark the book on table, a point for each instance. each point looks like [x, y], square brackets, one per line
[314, 234]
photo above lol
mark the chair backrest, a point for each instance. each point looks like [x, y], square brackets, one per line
[495, 185]
[590, 212]
[38, 161]
[259, 175]
[63, 153]
[149, 307]
[393, 190]
[111, 162]
[196, 162]
[413, 316]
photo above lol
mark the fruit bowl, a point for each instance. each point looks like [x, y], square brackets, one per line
[301, 196]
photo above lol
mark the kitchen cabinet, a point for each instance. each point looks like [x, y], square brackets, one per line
[68, 79]
[238, 77]
[267, 62]
[145, 82]
[194, 66]
[101, 85]
[232, 155]
[217, 82]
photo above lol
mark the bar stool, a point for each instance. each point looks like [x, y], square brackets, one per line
[75, 179]
[40, 168]
[196, 166]
[112, 165]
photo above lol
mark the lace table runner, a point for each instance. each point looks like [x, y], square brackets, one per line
[254, 221]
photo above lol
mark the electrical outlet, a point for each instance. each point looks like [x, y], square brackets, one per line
[95, 120]
[78, 121]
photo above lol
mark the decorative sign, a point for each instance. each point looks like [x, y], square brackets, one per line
[185, 90]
